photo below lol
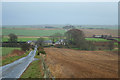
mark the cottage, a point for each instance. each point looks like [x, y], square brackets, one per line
[48, 42]
[61, 41]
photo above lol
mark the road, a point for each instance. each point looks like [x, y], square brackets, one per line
[15, 69]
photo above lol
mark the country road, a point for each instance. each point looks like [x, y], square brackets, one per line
[15, 69]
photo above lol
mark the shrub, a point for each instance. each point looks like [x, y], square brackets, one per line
[42, 52]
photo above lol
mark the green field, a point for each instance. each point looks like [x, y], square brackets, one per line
[4, 39]
[31, 32]
[96, 39]
[7, 50]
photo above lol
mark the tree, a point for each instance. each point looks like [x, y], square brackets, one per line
[111, 45]
[56, 36]
[25, 47]
[76, 38]
[40, 41]
[12, 38]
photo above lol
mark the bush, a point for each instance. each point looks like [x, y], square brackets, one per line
[25, 47]
[42, 52]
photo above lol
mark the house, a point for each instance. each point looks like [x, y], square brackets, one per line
[48, 42]
[97, 36]
[29, 42]
[61, 41]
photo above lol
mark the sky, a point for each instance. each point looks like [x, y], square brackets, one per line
[80, 13]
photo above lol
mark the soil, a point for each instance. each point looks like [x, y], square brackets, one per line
[91, 32]
[68, 63]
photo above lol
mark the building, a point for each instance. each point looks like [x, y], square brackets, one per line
[61, 41]
[48, 42]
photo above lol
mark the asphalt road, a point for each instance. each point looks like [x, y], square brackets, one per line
[15, 69]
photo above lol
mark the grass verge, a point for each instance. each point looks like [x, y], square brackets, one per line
[13, 58]
[34, 70]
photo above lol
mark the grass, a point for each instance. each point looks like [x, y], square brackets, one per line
[7, 50]
[34, 70]
[5, 39]
[96, 39]
[31, 32]
[12, 59]
[118, 39]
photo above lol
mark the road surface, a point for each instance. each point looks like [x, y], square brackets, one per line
[15, 69]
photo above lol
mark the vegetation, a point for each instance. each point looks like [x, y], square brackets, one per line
[23, 39]
[25, 47]
[33, 71]
[40, 50]
[97, 39]
[31, 32]
[111, 45]
[7, 50]
[13, 58]
[40, 41]
[56, 37]
[76, 39]
[12, 38]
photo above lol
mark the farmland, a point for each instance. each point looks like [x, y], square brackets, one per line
[97, 39]
[47, 32]
[67, 63]
[24, 32]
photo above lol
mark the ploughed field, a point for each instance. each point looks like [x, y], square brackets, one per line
[68, 63]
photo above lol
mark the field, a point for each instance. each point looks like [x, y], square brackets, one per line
[7, 50]
[48, 32]
[96, 39]
[30, 32]
[47, 38]
[19, 39]
[67, 63]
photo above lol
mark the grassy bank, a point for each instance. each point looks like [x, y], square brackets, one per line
[8, 50]
[13, 58]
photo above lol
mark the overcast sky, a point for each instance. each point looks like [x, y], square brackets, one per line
[35, 13]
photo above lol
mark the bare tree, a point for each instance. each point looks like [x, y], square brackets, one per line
[76, 38]
[56, 36]
[111, 45]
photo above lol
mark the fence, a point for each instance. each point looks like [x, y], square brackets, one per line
[47, 73]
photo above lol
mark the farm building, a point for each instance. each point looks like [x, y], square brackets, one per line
[102, 36]
[61, 41]
[48, 42]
